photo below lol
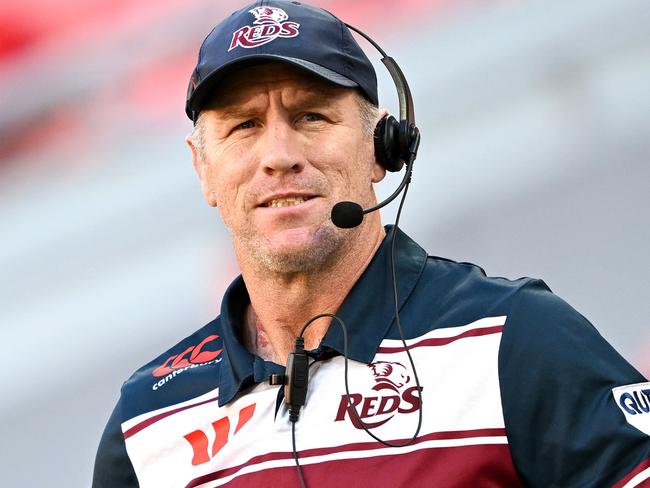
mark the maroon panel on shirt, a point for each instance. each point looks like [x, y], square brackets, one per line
[344, 448]
[152, 420]
[482, 466]
[443, 341]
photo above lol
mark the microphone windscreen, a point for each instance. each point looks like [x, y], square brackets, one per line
[347, 215]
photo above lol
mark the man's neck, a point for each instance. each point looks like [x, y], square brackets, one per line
[281, 304]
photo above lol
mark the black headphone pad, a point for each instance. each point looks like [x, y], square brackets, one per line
[387, 143]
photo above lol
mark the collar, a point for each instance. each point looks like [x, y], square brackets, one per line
[368, 312]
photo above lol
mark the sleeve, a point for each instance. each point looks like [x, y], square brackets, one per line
[565, 425]
[113, 467]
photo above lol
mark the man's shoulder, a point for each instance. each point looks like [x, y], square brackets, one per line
[473, 275]
[529, 307]
[463, 292]
[186, 370]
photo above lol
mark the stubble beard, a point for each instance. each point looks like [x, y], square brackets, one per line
[328, 244]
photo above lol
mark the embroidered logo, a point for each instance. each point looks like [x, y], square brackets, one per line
[392, 397]
[270, 23]
[198, 439]
[634, 402]
[191, 357]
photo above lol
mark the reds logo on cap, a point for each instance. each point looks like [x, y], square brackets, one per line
[268, 26]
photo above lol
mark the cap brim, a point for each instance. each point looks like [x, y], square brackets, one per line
[207, 85]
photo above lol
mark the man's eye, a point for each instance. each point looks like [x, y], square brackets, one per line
[249, 124]
[312, 117]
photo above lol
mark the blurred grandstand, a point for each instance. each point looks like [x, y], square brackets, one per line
[536, 136]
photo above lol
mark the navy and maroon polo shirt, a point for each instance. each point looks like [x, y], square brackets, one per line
[516, 388]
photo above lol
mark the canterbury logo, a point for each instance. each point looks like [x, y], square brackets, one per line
[193, 355]
[198, 439]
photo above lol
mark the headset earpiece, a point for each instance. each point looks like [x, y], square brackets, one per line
[406, 134]
[392, 142]
[387, 143]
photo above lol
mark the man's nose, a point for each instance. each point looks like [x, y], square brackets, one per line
[281, 149]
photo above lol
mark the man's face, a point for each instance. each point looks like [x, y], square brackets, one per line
[281, 148]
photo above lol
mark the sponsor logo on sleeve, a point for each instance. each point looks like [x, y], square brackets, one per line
[389, 396]
[634, 402]
[192, 357]
[270, 23]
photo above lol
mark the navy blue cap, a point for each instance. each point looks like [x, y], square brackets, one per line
[307, 37]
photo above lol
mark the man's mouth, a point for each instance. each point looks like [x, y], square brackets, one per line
[286, 202]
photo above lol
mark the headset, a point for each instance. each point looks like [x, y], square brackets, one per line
[396, 144]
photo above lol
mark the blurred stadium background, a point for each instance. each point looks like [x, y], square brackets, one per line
[536, 135]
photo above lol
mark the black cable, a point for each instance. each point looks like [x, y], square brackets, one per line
[295, 455]
[401, 333]
[395, 298]
[294, 412]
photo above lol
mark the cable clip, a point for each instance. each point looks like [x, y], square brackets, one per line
[297, 379]
[278, 379]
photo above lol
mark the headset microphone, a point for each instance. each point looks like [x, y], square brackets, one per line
[347, 215]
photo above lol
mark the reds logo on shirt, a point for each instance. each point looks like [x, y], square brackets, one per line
[268, 26]
[390, 398]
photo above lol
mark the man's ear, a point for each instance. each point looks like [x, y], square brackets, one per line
[378, 171]
[200, 166]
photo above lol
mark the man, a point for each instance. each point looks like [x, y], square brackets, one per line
[515, 387]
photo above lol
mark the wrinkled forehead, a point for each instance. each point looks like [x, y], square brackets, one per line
[247, 82]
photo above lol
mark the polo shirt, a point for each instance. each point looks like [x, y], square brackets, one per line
[516, 389]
